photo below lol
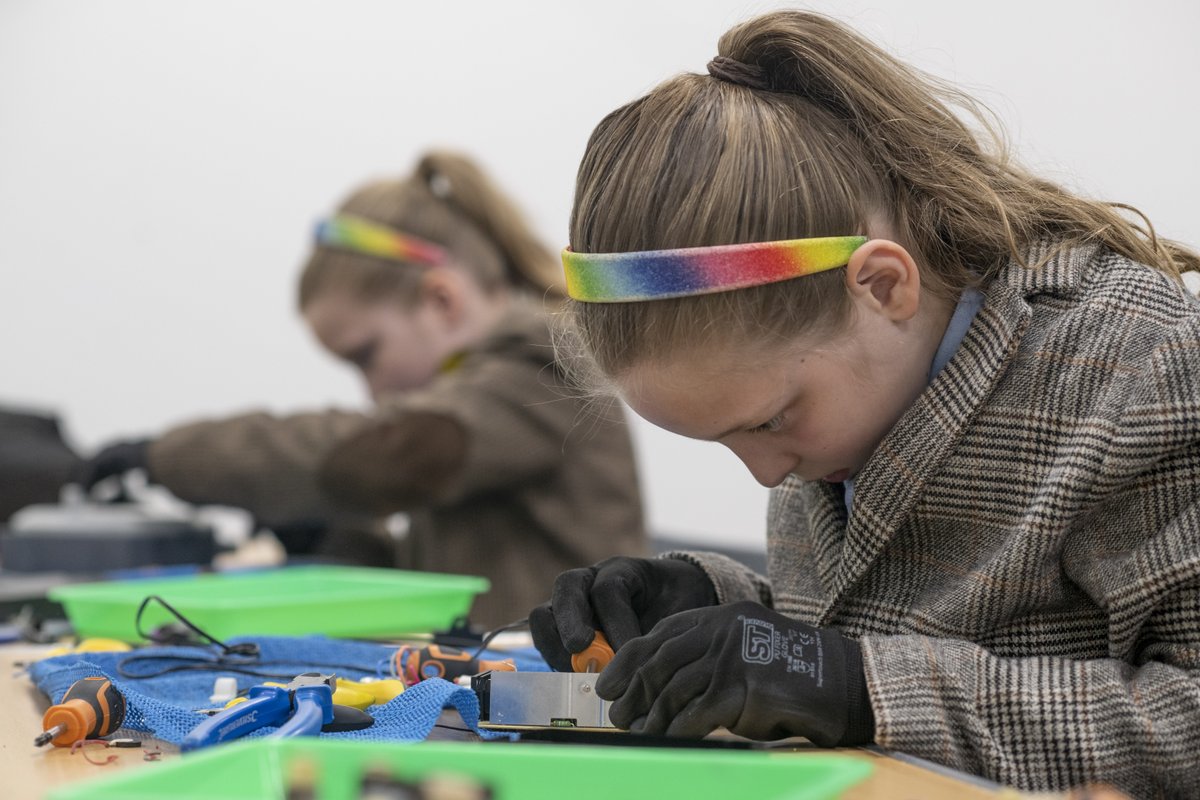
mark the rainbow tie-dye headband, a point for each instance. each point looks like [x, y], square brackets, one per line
[358, 235]
[660, 274]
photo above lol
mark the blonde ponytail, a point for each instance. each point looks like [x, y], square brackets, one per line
[961, 198]
[459, 182]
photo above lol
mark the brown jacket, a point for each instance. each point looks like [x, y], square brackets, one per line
[503, 471]
[1022, 561]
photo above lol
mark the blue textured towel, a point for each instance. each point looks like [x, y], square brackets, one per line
[166, 705]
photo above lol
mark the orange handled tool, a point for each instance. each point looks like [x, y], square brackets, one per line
[416, 664]
[91, 708]
[594, 657]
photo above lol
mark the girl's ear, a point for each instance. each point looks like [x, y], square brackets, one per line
[884, 276]
[441, 292]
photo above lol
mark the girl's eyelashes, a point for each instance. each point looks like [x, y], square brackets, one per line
[770, 426]
[361, 356]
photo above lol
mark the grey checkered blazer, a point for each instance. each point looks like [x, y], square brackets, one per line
[1022, 564]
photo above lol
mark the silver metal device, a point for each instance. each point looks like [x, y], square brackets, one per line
[540, 699]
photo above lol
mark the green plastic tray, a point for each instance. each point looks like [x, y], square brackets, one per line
[257, 769]
[291, 601]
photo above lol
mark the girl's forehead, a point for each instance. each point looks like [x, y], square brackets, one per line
[731, 358]
[333, 308]
[703, 395]
[340, 317]
[687, 368]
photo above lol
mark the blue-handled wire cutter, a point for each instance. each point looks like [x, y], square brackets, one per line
[299, 709]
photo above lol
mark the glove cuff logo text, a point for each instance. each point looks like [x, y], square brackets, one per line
[799, 652]
[757, 641]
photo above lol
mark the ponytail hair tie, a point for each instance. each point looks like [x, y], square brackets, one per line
[732, 71]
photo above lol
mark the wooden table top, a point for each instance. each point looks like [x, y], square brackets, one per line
[29, 772]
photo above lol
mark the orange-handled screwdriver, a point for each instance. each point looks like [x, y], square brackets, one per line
[434, 661]
[91, 708]
[594, 657]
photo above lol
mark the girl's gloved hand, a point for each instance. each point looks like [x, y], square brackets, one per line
[624, 597]
[116, 458]
[744, 667]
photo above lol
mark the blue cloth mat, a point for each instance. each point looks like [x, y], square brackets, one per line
[166, 704]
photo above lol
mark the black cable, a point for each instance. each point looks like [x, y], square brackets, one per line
[244, 648]
[215, 666]
[221, 664]
[492, 634]
[232, 658]
[249, 651]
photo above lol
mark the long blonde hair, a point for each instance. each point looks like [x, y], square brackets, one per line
[449, 201]
[812, 131]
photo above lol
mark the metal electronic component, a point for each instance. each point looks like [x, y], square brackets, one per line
[540, 700]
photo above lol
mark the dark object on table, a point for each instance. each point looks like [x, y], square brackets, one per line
[619, 738]
[35, 461]
[95, 537]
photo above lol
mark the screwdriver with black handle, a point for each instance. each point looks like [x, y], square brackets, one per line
[91, 708]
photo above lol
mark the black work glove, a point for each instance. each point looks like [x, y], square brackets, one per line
[624, 597]
[744, 667]
[115, 459]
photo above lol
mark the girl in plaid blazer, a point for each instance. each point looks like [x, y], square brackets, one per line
[976, 397]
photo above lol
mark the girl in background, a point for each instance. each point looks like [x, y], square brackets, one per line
[435, 289]
[976, 397]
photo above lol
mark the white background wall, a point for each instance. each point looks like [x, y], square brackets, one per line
[161, 164]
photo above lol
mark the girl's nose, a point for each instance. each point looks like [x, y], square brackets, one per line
[768, 467]
[375, 386]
